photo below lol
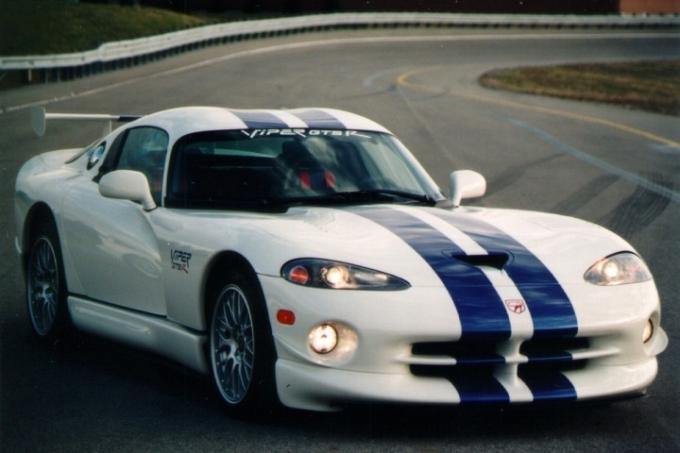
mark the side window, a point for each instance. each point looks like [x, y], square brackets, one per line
[144, 150]
[111, 156]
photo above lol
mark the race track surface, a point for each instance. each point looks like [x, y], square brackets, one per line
[608, 165]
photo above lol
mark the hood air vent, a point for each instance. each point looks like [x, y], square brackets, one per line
[496, 260]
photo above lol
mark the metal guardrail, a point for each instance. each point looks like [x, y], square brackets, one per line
[134, 51]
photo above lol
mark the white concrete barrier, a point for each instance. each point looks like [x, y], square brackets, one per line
[134, 51]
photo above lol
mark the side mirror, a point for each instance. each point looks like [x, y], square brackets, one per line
[127, 185]
[465, 184]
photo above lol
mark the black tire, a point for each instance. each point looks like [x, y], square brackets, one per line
[45, 282]
[228, 342]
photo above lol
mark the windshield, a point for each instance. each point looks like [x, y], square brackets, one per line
[272, 167]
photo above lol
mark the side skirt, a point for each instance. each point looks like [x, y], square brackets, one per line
[140, 330]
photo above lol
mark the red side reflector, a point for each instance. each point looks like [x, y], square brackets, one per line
[305, 180]
[286, 317]
[330, 179]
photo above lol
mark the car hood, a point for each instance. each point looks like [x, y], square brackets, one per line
[422, 244]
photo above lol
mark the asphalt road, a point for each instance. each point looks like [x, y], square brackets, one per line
[608, 165]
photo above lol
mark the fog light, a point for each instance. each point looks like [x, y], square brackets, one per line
[648, 331]
[323, 338]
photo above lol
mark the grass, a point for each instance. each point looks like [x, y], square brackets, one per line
[29, 27]
[645, 85]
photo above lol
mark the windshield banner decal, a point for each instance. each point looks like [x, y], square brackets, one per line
[253, 133]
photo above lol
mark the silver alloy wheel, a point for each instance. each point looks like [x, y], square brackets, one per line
[43, 286]
[232, 344]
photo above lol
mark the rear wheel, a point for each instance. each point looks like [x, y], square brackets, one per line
[241, 349]
[45, 284]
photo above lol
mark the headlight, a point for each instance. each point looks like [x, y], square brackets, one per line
[318, 273]
[619, 269]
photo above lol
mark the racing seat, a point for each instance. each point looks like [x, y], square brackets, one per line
[302, 170]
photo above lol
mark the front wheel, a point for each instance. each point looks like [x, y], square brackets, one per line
[46, 285]
[241, 348]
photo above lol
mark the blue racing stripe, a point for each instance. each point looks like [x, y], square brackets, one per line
[318, 119]
[550, 307]
[480, 308]
[479, 388]
[259, 120]
[548, 385]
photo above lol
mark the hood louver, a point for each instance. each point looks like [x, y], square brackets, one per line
[496, 260]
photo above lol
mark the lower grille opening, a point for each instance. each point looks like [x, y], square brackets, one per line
[473, 374]
[545, 367]
[457, 349]
[447, 371]
[474, 384]
[553, 346]
[484, 371]
[479, 359]
[546, 381]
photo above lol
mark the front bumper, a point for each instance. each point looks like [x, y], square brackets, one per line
[385, 367]
[311, 387]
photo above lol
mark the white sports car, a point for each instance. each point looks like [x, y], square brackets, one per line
[305, 257]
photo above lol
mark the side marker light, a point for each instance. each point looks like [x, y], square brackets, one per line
[285, 317]
[648, 331]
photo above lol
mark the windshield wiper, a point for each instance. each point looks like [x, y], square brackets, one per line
[400, 194]
[359, 196]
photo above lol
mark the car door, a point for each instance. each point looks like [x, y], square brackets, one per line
[111, 242]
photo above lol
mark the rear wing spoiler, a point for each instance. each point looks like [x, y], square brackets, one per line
[39, 118]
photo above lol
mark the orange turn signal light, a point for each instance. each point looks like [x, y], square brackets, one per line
[299, 275]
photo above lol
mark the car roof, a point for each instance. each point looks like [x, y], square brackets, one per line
[187, 120]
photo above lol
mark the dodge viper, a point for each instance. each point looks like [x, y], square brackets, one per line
[305, 257]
